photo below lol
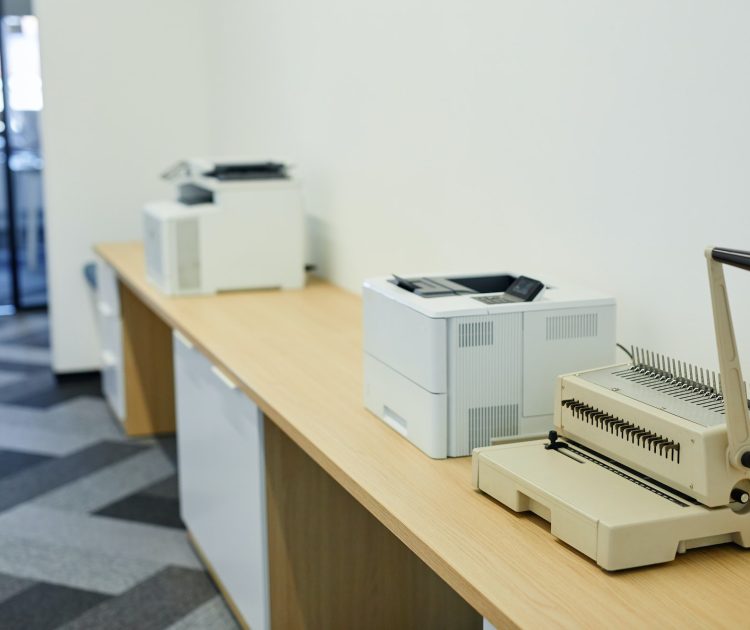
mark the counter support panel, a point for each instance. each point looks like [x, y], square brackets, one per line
[147, 361]
[334, 565]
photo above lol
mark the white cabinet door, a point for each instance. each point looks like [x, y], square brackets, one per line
[110, 328]
[113, 384]
[222, 479]
[107, 294]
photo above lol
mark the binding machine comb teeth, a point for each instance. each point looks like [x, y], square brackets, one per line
[676, 378]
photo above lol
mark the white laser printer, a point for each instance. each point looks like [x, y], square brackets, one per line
[649, 458]
[452, 362]
[235, 225]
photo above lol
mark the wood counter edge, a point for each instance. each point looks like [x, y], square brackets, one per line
[481, 603]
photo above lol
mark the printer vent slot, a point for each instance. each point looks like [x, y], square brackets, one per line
[657, 444]
[486, 423]
[187, 233]
[153, 245]
[572, 326]
[472, 334]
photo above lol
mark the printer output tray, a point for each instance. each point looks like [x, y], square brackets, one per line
[614, 517]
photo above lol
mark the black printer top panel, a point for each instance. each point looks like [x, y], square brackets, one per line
[441, 286]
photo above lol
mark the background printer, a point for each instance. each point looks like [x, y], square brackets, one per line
[235, 225]
[452, 362]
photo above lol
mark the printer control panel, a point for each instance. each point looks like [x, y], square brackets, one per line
[494, 299]
[523, 289]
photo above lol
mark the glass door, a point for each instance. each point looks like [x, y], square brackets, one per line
[22, 256]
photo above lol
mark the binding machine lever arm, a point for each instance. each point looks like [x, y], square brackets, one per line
[733, 386]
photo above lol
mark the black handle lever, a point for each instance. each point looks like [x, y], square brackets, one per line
[733, 257]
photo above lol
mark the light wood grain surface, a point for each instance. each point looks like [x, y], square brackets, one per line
[333, 565]
[298, 354]
[147, 361]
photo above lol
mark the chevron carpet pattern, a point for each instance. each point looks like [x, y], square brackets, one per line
[90, 532]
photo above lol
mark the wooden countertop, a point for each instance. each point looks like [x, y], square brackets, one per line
[298, 354]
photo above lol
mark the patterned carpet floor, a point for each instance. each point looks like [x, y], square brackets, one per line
[90, 532]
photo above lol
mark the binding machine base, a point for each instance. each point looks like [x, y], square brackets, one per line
[613, 515]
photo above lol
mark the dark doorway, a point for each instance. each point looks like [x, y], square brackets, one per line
[23, 283]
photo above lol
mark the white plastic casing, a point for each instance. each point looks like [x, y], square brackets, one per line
[452, 373]
[251, 236]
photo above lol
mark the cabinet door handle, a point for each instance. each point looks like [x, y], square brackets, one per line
[105, 309]
[108, 359]
[223, 377]
[183, 339]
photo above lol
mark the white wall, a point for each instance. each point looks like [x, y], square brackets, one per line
[598, 142]
[124, 98]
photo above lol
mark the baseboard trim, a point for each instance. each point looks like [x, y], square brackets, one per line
[74, 377]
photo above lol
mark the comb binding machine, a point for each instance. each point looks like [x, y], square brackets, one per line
[648, 459]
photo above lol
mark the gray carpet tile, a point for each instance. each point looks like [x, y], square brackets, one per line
[91, 570]
[13, 329]
[10, 377]
[11, 585]
[63, 457]
[145, 508]
[36, 440]
[214, 614]
[154, 604]
[87, 414]
[45, 607]
[90, 493]
[35, 338]
[22, 369]
[168, 446]
[167, 488]
[12, 462]
[54, 473]
[40, 389]
[29, 355]
[100, 534]
[16, 415]
[84, 418]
